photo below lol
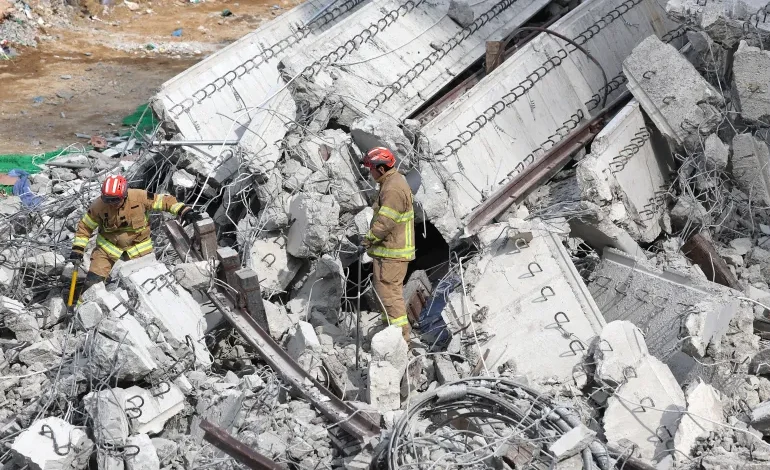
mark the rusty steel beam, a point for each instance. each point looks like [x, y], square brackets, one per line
[335, 410]
[541, 170]
[237, 449]
[702, 252]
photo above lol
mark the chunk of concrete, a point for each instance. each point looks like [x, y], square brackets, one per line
[724, 21]
[17, 319]
[314, 217]
[107, 461]
[182, 179]
[44, 354]
[617, 351]
[716, 153]
[278, 321]
[146, 458]
[445, 370]
[741, 245]
[572, 442]
[387, 131]
[461, 12]
[389, 346]
[627, 417]
[304, 338]
[704, 413]
[34, 446]
[275, 266]
[156, 408]
[107, 411]
[677, 98]
[48, 264]
[344, 175]
[760, 418]
[166, 449]
[384, 386]
[322, 291]
[197, 275]
[751, 83]
[687, 212]
[751, 167]
[89, 314]
[760, 363]
[123, 348]
[220, 408]
[363, 220]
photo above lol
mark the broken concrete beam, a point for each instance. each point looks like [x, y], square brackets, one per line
[616, 351]
[680, 102]
[89, 314]
[122, 349]
[146, 458]
[172, 309]
[658, 302]
[314, 218]
[322, 290]
[751, 167]
[51, 444]
[275, 266]
[155, 407]
[384, 386]
[630, 414]
[343, 173]
[751, 83]
[572, 442]
[389, 346]
[107, 410]
[704, 415]
[206, 235]
[303, 338]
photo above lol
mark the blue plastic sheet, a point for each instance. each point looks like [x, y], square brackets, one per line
[22, 189]
[433, 329]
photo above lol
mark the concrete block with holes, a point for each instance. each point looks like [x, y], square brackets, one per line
[679, 315]
[528, 303]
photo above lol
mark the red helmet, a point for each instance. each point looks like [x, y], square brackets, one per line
[379, 156]
[114, 189]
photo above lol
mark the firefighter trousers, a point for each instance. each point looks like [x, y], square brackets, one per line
[389, 277]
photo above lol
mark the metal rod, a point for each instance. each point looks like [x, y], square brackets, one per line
[176, 143]
[237, 449]
[358, 313]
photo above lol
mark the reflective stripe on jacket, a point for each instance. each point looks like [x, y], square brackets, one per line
[391, 233]
[124, 228]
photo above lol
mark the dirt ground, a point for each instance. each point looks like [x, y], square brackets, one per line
[87, 75]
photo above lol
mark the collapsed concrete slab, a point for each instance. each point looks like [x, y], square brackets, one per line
[488, 137]
[238, 93]
[751, 83]
[554, 314]
[174, 312]
[667, 306]
[409, 71]
[275, 266]
[751, 167]
[384, 386]
[681, 103]
[52, 443]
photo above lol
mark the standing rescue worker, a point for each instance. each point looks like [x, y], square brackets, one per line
[120, 215]
[390, 240]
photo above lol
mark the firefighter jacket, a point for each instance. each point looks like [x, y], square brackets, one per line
[391, 233]
[124, 228]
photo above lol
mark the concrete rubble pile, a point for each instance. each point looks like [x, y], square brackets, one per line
[614, 315]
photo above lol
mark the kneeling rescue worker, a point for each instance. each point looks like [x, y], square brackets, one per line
[120, 215]
[390, 240]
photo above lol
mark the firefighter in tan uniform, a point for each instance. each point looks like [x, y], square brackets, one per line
[390, 240]
[120, 215]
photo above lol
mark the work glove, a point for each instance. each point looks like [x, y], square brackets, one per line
[76, 255]
[361, 250]
[190, 216]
